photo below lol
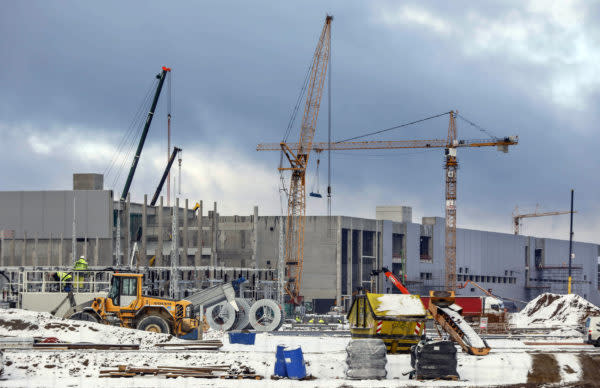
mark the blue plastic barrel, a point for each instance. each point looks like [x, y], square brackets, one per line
[241, 338]
[280, 369]
[294, 362]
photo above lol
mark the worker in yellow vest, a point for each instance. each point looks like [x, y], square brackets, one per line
[80, 265]
[64, 279]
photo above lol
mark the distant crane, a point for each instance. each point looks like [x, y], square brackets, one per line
[298, 159]
[138, 153]
[176, 150]
[518, 217]
[451, 144]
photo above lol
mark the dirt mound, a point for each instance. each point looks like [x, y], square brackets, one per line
[555, 310]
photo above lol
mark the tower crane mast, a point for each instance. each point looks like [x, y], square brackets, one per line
[298, 159]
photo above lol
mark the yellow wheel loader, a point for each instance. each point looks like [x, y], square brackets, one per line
[125, 306]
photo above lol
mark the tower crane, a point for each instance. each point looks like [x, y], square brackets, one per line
[298, 162]
[450, 145]
[518, 217]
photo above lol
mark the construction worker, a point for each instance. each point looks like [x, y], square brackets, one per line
[80, 265]
[321, 320]
[65, 280]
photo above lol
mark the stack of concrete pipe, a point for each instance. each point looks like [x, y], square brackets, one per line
[262, 315]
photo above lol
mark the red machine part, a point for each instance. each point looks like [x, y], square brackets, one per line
[395, 280]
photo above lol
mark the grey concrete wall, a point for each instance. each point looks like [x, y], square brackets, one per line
[43, 212]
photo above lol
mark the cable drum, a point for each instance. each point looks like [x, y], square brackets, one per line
[266, 315]
[243, 315]
[221, 316]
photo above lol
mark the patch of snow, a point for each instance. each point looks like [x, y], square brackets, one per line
[570, 368]
[472, 337]
[395, 304]
[554, 311]
[24, 323]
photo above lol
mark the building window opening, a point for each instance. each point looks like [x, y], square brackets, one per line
[424, 250]
[397, 244]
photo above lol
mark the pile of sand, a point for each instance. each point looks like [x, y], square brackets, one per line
[555, 311]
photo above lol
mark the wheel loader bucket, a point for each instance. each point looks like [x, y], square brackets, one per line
[213, 295]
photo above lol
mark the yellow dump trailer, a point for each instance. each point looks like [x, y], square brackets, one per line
[398, 319]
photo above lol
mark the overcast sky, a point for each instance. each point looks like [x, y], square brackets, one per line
[74, 74]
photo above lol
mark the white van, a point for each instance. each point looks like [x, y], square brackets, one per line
[592, 331]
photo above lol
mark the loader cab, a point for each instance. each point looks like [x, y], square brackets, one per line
[125, 288]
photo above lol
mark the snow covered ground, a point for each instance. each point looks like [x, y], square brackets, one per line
[509, 362]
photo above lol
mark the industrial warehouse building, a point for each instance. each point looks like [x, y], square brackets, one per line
[339, 252]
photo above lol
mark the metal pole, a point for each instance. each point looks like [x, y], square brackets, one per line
[280, 265]
[74, 237]
[570, 243]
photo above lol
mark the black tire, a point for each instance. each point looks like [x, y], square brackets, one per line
[597, 343]
[155, 324]
[84, 316]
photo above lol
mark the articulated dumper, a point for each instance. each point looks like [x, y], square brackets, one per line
[125, 306]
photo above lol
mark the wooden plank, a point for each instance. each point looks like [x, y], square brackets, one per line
[558, 343]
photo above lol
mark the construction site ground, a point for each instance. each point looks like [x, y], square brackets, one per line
[543, 346]
[510, 362]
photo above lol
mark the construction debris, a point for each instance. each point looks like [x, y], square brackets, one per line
[194, 345]
[207, 372]
[70, 346]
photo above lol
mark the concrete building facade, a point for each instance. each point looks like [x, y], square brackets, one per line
[339, 252]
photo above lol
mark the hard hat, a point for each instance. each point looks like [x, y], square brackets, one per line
[82, 257]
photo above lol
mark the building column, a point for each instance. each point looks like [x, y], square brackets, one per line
[158, 252]
[255, 238]
[49, 259]
[127, 232]
[360, 258]
[200, 243]
[13, 256]
[338, 263]
[350, 260]
[24, 251]
[96, 252]
[213, 253]
[60, 250]
[184, 260]
[143, 254]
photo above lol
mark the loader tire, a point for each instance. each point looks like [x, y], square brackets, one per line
[154, 324]
[84, 316]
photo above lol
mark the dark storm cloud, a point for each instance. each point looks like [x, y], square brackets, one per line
[512, 67]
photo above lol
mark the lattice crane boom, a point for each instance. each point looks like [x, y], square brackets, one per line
[517, 217]
[298, 159]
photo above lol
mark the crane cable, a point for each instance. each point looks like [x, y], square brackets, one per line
[134, 124]
[481, 129]
[127, 142]
[391, 128]
[283, 186]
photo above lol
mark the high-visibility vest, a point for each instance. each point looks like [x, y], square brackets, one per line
[63, 277]
[81, 264]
